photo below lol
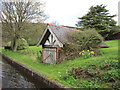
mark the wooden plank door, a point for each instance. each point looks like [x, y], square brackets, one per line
[49, 55]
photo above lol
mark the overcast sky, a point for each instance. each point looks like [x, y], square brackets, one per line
[66, 12]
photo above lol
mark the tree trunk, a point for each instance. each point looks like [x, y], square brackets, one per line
[14, 45]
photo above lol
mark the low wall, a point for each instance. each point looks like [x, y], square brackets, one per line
[36, 77]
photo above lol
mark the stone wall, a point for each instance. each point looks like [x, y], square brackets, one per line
[36, 77]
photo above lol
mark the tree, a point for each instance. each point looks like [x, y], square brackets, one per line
[15, 15]
[99, 19]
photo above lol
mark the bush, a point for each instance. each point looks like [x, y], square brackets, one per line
[79, 41]
[108, 65]
[22, 44]
[86, 40]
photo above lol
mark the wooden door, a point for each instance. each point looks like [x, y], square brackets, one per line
[49, 55]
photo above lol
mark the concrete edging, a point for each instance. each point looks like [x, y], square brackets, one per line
[35, 75]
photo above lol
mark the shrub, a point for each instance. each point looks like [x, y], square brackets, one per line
[83, 73]
[22, 44]
[86, 40]
[108, 65]
[78, 41]
[70, 80]
[91, 84]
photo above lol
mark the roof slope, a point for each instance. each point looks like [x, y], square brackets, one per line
[60, 32]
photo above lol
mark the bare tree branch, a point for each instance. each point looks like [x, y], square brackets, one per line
[15, 14]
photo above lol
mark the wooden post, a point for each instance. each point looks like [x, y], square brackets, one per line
[57, 53]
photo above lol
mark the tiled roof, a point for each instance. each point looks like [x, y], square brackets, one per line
[61, 32]
[65, 27]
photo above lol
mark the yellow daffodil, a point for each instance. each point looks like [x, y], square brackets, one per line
[88, 50]
[79, 52]
[83, 51]
[92, 52]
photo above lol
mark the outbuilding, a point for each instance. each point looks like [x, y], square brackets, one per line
[53, 39]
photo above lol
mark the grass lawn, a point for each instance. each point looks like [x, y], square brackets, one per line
[59, 72]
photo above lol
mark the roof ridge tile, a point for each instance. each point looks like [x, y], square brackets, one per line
[64, 27]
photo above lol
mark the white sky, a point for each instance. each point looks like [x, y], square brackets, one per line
[66, 12]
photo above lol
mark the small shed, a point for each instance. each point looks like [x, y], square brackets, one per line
[104, 45]
[53, 39]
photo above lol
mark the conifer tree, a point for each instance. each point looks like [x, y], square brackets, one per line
[98, 18]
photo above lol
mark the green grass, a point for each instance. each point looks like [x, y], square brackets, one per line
[56, 72]
[35, 48]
